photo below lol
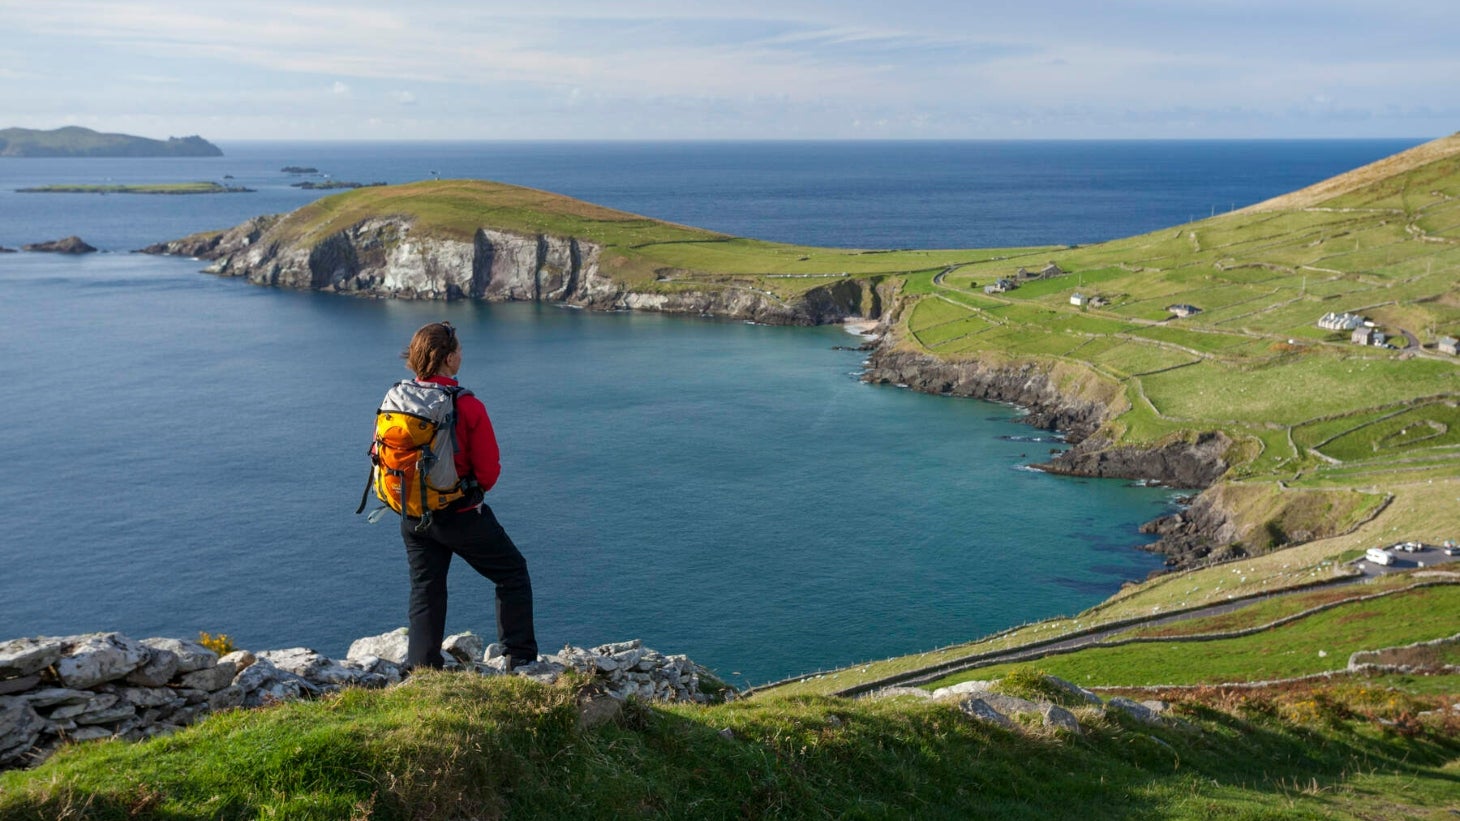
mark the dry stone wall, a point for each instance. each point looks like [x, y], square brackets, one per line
[107, 685]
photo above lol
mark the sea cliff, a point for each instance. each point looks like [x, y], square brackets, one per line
[386, 257]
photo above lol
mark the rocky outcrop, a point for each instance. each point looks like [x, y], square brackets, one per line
[1179, 463]
[107, 685]
[385, 257]
[1060, 712]
[1026, 384]
[69, 245]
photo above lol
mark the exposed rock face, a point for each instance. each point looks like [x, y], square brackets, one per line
[69, 245]
[384, 257]
[1024, 384]
[1178, 464]
[1203, 531]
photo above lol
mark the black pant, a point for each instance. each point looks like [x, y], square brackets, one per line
[475, 536]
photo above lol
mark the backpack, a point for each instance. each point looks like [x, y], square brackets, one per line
[413, 464]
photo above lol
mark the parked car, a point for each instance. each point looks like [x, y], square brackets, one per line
[1379, 555]
[1452, 550]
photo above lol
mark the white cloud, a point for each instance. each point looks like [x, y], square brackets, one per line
[787, 68]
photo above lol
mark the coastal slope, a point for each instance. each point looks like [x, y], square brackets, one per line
[1196, 356]
[75, 141]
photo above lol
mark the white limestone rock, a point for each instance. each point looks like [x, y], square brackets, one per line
[466, 648]
[210, 679]
[963, 688]
[390, 646]
[99, 657]
[160, 667]
[191, 655]
[21, 657]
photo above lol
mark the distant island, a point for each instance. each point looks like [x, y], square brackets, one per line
[331, 185]
[75, 141]
[150, 188]
[299, 169]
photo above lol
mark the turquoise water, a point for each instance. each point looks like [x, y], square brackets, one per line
[187, 452]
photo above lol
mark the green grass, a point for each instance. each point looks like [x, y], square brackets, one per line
[1284, 652]
[451, 746]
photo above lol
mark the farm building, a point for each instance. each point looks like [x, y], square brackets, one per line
[1363, 336]
[1447, 344]
[1079, 300]
[1183, 310]
[1051, 270]
[1000, 285]
[1340, 322]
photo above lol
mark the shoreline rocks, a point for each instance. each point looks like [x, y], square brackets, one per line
[68, 245]
[55, 690]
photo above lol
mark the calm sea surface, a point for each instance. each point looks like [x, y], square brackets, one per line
[186, 452]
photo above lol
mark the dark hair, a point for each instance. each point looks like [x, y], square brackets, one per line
[429, 348]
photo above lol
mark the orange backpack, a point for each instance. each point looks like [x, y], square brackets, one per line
[413, 464]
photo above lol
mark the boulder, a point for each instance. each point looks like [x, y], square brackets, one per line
[1140, 711]
[596, 711]
[99, 657]
[190, 654]
[389, 646]
[963, 688]
[210, 679]
[158, 670]
[20, 726]
[21, 657]
[981, 710]
[1061, 719]
[1012, 705]
[1074, 690]
[466, 648]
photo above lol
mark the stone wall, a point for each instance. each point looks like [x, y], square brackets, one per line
[108, 685]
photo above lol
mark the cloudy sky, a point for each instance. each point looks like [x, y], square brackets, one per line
[787, 69]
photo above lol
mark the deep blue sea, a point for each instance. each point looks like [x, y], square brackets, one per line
[185, 452]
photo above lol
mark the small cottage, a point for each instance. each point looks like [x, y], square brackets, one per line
[1000, 285]
[1340, 322]
[1051, 270]
[1363, 336]
[1183, 310]
[1079, 300]
[1447, 344]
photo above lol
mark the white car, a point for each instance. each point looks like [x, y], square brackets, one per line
[1452, 550]
[1379, 555]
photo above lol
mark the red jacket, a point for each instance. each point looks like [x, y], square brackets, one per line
[476, 443]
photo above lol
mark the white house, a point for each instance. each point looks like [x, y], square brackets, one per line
[1079, 300]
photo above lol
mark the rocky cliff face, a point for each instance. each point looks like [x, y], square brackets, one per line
[383, 257]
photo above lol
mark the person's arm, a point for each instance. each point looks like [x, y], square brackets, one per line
[478, 442]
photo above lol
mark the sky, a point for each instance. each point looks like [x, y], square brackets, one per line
[690, 70]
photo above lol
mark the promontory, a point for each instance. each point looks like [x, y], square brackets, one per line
[75, 141]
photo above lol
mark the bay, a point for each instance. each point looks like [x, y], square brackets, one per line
[187, 451]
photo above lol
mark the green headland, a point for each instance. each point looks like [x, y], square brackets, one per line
[1335, 698]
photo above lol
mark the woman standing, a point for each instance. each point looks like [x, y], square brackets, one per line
[465, 528]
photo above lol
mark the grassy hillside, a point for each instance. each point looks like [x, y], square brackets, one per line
[454, 746]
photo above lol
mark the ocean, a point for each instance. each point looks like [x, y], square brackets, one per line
[186, 452]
